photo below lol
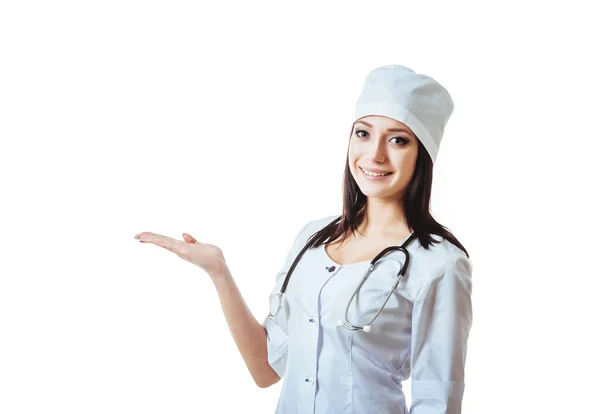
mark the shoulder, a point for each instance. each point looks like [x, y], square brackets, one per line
[446, 272]
[446, 259]
[315, 225]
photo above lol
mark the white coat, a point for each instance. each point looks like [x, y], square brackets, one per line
[422, 332]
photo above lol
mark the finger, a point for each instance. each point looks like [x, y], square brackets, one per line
[169, 243]
[189, 239]
[165, 242]
[138, 237]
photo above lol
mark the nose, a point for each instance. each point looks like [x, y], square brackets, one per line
[376, 151]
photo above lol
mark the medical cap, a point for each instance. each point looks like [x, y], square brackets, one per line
[414, 99]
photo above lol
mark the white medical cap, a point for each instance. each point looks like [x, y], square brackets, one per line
[416, 100]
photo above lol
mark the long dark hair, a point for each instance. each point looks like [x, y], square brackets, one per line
[415, 204]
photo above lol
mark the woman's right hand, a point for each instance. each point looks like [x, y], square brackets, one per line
[206, 256]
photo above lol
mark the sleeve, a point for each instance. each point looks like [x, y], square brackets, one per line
[441, 321]
[277, 332]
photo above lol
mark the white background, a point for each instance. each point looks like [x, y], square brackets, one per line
[230, 121]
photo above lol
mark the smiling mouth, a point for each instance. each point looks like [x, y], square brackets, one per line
[368, 174]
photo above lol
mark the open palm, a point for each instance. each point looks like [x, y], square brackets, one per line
[207, 256]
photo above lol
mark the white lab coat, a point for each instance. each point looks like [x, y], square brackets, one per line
[423, 330]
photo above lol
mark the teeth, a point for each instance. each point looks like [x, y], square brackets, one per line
[373, 174]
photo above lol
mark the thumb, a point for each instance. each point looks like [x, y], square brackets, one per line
[189, 239]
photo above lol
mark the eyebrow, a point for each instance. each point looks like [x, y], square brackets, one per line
[388, 130]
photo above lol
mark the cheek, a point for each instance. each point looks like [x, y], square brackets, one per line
[351, 149]
[408, 163]
[352, 157]
[406, 169]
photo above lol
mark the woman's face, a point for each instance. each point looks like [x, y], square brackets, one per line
[382, 143]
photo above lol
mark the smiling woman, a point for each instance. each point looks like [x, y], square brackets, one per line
[381, 292]
[420, 327]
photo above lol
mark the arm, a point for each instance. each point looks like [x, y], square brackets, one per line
[442, 318]
[249, 335]
[263, 347]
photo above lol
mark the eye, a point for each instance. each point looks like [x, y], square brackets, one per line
[403, 141]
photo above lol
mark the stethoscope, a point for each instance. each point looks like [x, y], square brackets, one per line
[276, 300]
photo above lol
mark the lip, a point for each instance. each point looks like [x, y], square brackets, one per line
[373, 170]
[370, 178]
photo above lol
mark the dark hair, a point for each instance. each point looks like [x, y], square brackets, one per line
[415, 204]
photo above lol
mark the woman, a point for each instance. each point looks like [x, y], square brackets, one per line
[346, 350]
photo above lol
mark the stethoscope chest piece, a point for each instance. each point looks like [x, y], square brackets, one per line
[275, 304]
[366, 328]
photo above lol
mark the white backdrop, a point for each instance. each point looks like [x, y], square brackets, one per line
[230, 121]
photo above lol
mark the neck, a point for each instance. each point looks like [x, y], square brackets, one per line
[383, 218]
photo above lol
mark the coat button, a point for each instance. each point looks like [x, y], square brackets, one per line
[330, 268]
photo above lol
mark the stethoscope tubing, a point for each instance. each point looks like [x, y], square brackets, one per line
[399, 277]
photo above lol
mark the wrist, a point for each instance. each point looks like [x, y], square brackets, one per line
[220, 274]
